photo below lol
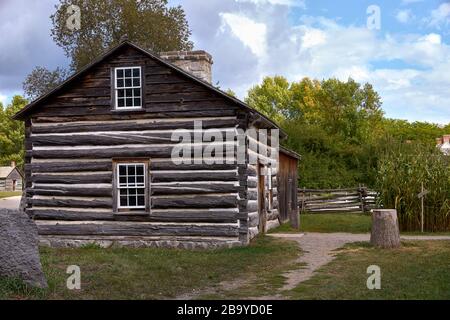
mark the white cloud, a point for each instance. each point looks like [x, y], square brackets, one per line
[251, 33]
[404, 16]
[440, 16]
[290, 3]
[3, 99]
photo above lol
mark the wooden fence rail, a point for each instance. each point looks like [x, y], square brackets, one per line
[352, 200]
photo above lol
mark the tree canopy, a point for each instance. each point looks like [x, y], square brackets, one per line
[152, 24]
[337, 126]
[11, 132]
[149, 23]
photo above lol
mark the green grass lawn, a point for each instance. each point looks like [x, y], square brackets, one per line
[418, 270]
[149, 273]
[327, 222]
[338, 222]
[6, 194]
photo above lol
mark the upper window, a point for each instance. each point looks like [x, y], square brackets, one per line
[128, 88]
[131, 185]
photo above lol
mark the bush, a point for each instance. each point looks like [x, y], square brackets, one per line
[402, 170]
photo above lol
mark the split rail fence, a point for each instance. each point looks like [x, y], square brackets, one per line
[352, 200]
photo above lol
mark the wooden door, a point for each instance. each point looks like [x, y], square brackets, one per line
[261, 199]
[14, 185]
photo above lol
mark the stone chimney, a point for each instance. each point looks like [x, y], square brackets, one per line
[198, 63]
[13, 164]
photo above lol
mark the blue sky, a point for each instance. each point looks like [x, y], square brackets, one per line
[407, 59]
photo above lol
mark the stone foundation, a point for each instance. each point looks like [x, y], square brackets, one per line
[137, 242]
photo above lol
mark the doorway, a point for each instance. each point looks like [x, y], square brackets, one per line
[262, 198]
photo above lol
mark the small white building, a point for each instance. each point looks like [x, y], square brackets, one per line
[10, 178]
[444, 144]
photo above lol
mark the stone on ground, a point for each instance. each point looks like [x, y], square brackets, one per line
[19, 254]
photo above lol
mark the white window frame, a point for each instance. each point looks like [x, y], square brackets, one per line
[116, 89]
[141, 185]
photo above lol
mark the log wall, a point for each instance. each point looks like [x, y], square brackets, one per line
[73, 139]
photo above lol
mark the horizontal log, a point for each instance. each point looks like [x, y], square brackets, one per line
[131, 125]
[190, 215]
[331, 205]
[193, 188]
[135, 229]
[72, 178]
[195, 201]
[70, 191]
[67, 202]
[168, 164]
[149, 113]
[132, 151]
[177, 176]
[75, 166]
[106, 165]
[110, 138]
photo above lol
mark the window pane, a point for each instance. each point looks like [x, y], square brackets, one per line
[127, 72]
[129, 93]
[129, 102]
[136, 72]
[137, 102]
[131, 190]
[127, 82]
[120, 102]
[120, 83]
[120, 93]
[137, 92]
[136, 82]
[120, 73]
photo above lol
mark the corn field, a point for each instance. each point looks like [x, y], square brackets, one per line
[401, 174]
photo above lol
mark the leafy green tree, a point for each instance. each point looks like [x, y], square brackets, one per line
[12, 133]
[149, 23]
[41, 80]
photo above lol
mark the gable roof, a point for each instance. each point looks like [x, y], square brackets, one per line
[6, 171]
[22, 114]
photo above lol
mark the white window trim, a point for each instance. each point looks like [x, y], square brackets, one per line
[116, 102]
[118, 184]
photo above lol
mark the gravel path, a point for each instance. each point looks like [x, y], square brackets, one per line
[318, 251]
[10, 203]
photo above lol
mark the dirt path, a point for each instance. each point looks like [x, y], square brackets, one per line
[10, 203]
[318, 249]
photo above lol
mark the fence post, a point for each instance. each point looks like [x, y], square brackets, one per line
[361, 198]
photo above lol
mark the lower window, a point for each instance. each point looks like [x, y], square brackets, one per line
[131, 185]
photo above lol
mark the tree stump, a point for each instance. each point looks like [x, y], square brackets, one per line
[385, 230]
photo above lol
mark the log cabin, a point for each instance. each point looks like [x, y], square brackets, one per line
[10, 178]
[99, 161]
